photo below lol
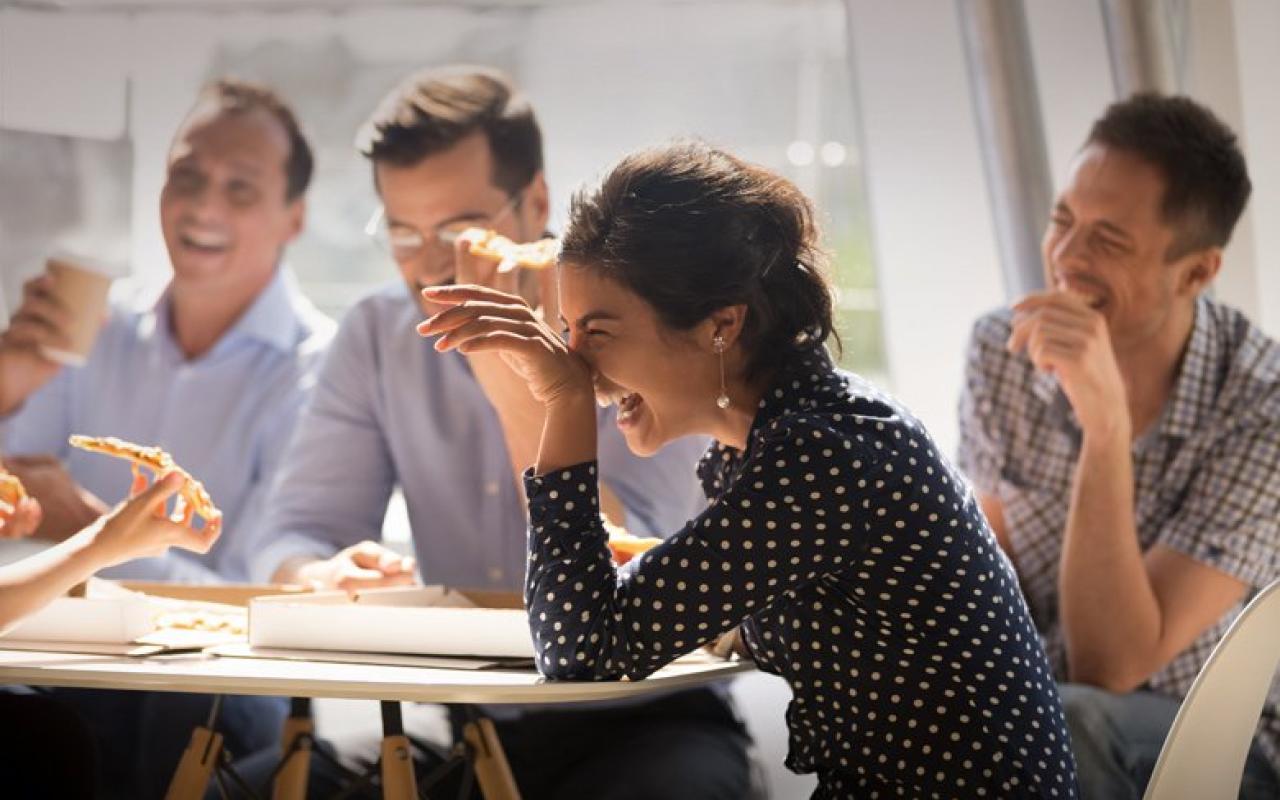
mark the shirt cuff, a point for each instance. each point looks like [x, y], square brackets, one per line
[264, 563]
[566, 498]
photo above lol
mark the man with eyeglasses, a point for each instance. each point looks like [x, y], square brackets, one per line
[216, 371]
[455, 148]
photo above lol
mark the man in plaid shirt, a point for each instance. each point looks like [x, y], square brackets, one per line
[1122, 431]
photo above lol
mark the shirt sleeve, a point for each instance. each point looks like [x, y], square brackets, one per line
[43, 423]
[756, 542]
[660, 493]
[981, 451]
[176, 566]
[1230, 516]
[335, 475]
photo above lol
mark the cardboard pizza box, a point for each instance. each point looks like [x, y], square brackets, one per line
[421, 620]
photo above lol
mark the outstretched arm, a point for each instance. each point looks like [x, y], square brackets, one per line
[136, 528]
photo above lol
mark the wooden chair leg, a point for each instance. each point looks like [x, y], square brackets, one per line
[493, 773]
[398, 780]
[196, 766]
[295, 743]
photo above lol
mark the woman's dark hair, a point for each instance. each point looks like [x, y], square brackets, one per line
[692, 229]
[1206, 181]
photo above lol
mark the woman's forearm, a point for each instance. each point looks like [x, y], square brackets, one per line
[32, 583]
[569, 433]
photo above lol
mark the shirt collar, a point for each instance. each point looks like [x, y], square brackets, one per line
[271, 318]
[1193, 389]
[798, 386]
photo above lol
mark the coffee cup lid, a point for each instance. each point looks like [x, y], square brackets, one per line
[75, 258]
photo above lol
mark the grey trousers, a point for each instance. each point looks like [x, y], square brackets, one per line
[1117, 740]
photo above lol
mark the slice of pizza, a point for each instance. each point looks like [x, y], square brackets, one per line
[194, 497]
[541, 254]
[11, 489]
[624, 546]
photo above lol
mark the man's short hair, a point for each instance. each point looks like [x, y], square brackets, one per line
[436, 108]
[241, 96]
[1206, 181]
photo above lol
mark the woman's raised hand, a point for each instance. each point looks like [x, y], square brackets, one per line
[479, 319]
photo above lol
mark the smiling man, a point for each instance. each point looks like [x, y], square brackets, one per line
[1122, 430]
[453, 148]
[216, 372]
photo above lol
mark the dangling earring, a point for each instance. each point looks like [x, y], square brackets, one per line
[723, 399]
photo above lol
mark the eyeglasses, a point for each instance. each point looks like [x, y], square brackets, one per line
[406, 243]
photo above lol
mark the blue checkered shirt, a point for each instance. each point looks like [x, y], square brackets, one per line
[1206, 475]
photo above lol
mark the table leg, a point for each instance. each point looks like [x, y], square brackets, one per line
[492, 770]
[398, 781]
[299, 728]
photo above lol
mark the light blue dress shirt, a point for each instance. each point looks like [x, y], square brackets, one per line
[225, 417]
[387, 410]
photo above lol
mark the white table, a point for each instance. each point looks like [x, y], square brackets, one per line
[389, 685]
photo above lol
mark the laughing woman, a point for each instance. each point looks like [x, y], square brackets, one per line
[848, 549]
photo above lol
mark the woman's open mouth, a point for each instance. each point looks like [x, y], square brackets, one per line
[629, 404]
[628, 408]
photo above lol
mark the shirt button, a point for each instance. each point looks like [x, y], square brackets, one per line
[495, 574]
[491, 488]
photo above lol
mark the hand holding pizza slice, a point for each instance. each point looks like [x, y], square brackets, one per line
[541, 254]
[193, 500]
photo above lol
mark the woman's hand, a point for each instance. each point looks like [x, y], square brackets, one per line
[480, 319]
[20, 519]
[139, 527]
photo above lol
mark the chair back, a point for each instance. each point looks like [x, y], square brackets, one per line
[1204, 754]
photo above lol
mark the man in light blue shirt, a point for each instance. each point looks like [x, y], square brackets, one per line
[451, 149]
[225, 417]
[390, 411]
[215, 372]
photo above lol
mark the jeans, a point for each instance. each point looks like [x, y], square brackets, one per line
[1117, 740]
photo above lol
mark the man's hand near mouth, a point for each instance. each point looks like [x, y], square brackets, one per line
[1064, 335]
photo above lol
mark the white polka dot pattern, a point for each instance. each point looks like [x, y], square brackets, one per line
[861, 571]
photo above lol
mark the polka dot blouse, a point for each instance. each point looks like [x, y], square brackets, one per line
[861, 571]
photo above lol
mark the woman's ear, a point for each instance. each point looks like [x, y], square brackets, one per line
[725, 323]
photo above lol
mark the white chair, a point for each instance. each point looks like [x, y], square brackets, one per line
[1203, 755]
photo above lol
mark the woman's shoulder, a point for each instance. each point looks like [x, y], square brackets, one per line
[840, 409]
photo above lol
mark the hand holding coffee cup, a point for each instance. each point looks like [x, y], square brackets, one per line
[80, 292]
[61, 313]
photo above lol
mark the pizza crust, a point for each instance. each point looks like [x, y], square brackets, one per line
[624, 546]
[160, 463]
[541, 254]
[11, 489]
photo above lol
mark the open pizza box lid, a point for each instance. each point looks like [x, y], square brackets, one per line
[424, 620]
